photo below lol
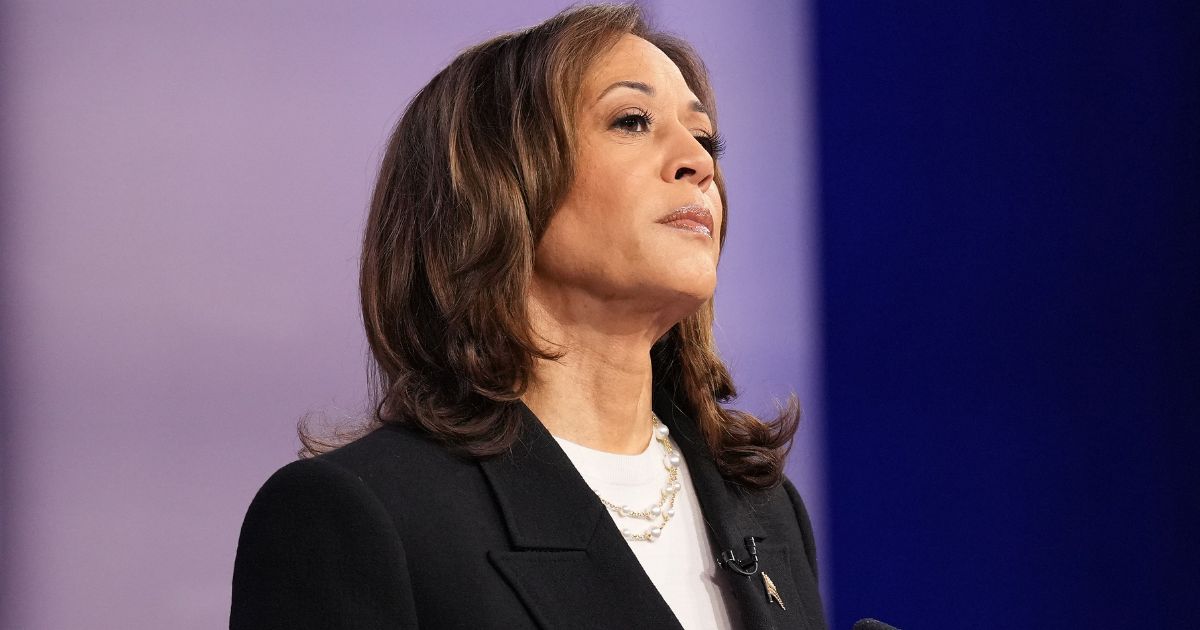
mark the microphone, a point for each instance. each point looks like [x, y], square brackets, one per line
[748, 567]
[872, 624]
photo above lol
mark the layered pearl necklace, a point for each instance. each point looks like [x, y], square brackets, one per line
[660, 513]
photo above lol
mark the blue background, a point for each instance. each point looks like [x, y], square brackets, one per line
[1011, 218]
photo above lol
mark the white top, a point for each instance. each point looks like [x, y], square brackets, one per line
[680, 563]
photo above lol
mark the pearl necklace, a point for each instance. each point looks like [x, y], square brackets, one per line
[663, 511]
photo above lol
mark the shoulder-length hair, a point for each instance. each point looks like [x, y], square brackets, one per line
[472, 175]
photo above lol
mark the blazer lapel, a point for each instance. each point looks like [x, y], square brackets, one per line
[730, 515]
[568, 562]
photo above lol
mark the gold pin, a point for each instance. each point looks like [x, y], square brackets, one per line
[772, 592]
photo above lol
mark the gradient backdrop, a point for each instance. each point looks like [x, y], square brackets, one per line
[979, 275]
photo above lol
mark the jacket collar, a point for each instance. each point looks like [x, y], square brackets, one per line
[568, 563]
[584, 565]
[545, 502]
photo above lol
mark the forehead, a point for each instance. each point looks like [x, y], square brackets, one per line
[635, 59]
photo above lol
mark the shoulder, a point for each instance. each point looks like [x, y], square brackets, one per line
[426, 489]
[352, 472]
[307, 484]
[316, 502]
[360, 485]
[315, 527]
[392, 458]
[327, 541]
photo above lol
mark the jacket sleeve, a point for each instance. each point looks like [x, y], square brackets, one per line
[806, 530]
[319, 550]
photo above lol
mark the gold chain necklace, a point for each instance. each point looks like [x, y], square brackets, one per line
[663, 511]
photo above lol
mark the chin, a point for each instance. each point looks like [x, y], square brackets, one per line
[697, 287]
[682, 275]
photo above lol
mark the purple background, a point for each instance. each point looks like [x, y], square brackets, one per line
[183, 191]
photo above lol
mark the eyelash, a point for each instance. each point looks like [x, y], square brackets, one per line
[713, 143]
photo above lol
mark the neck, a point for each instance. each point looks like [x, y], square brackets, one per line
[599, 393]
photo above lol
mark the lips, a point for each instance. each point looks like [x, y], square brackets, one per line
[693, 218]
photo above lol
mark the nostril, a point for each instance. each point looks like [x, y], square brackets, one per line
[684, 172]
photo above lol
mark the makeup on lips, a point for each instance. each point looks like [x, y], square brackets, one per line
[692, 218]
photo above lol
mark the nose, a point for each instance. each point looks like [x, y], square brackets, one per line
[688, 160]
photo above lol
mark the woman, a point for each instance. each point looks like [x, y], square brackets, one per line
[537, 281]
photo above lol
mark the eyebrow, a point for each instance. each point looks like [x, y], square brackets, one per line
[648, 90]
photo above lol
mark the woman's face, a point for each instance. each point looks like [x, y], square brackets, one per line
[640, 225]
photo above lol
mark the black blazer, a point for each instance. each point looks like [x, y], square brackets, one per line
[393, 531]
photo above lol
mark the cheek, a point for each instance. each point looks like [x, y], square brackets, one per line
[578, 242]
[595, 198]
[567, 238]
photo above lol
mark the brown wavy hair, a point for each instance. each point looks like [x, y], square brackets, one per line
[472, 175]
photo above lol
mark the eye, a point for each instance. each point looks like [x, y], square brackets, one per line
[713, 143]
[634, 122]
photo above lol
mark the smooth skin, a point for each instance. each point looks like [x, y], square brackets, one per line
[609, 279]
